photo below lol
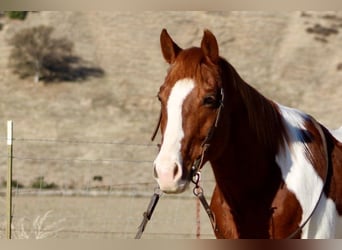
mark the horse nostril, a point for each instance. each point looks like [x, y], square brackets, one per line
[175, 171]
[155, 174]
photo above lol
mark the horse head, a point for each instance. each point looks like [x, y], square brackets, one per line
[191, 97]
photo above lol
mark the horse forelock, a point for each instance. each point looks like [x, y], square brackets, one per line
[192, 63]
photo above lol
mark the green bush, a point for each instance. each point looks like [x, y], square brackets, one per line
[40, 183]
[97, 178]
[21, 15]
[36, 53]
[15, 184]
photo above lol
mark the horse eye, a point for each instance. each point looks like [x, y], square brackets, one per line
[210, 101]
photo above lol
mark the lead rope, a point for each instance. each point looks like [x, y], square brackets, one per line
[148, 214]
[198, 192]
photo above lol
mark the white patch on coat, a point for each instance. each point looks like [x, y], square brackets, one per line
[170, 154]
[337, 133]
[302, 179]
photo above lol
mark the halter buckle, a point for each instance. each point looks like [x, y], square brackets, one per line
[196, 178]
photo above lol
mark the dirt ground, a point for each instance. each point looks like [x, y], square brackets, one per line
[114, 217]
[108, 217]
[71, 132]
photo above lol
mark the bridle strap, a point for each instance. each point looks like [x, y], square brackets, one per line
[157, 127]
[206, 142]
[148, 214]
[198, 192]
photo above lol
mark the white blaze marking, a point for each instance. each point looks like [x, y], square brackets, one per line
[302, 179]
[170, 150]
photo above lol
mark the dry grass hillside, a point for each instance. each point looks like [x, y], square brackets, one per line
[291, 57]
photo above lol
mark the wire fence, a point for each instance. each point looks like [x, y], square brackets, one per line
[92, 188]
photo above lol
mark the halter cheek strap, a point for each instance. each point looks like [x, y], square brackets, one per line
[157, 127]
[206, 142]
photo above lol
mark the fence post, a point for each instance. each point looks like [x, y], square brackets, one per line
[9, 178]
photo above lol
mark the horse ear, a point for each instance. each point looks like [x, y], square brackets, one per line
[209, 46]
[169, 48]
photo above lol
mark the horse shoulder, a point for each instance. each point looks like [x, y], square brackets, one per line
[225, 225]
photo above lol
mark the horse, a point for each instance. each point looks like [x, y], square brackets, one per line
[278, 171]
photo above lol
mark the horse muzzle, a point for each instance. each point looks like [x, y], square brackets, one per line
[169, 177]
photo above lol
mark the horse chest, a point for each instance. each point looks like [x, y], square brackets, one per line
[256, 219]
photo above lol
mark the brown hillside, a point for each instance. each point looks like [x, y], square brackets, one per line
[288, 56]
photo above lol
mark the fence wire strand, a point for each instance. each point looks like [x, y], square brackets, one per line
[79, 160]
[140, 189]
[80, 141]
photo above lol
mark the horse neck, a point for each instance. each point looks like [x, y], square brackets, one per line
[260, 114]
[253, 131]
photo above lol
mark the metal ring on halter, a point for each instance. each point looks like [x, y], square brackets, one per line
[197, 191]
